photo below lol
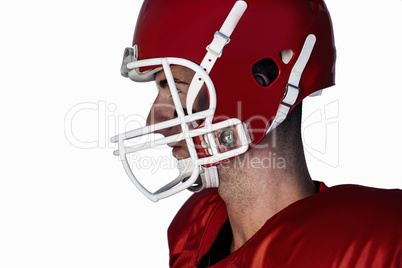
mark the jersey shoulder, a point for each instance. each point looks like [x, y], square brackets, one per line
[197, 223]
[347, 225]
[363, 203]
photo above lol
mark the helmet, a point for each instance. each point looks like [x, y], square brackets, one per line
[221, 41]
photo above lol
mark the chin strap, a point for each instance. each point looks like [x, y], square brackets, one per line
[292, 88]
[208, 176]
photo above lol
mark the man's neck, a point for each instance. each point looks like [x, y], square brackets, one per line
[253, 194]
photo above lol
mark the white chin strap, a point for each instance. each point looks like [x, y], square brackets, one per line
[208, 176]
[292, 88]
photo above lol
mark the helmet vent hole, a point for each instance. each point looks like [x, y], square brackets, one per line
[286, 55]
[265, 72]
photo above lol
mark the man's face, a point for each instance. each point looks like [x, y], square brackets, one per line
[163, 107]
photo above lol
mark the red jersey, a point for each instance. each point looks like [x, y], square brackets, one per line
[341, 226]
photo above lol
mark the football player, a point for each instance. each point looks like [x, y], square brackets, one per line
[231, 77]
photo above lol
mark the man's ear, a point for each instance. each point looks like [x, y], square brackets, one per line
[262, 79]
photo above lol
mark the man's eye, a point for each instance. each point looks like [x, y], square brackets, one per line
[178, 92]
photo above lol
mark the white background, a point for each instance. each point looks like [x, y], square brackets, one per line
[65, 206]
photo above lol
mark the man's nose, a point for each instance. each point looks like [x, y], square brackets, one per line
[162, 109]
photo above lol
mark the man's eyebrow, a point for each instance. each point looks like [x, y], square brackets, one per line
[163, 83]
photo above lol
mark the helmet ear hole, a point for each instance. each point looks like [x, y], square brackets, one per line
[265, 72]
[286, 55]
[262, 79]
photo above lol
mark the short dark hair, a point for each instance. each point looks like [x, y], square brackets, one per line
[288, 140]
[291, 126]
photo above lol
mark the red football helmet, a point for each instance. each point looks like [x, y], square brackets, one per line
[221, 41]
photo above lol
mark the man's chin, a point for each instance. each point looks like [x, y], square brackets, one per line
[179, 153]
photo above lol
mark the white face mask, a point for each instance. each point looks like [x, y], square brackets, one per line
[144, 145]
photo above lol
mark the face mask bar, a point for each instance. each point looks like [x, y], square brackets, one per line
[230, 134]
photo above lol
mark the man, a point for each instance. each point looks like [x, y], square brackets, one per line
[231, 115]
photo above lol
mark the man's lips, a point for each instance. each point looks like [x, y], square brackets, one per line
[175, 147]
[178, 150]
[173, 144]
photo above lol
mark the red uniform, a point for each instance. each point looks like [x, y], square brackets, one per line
[341, 226]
